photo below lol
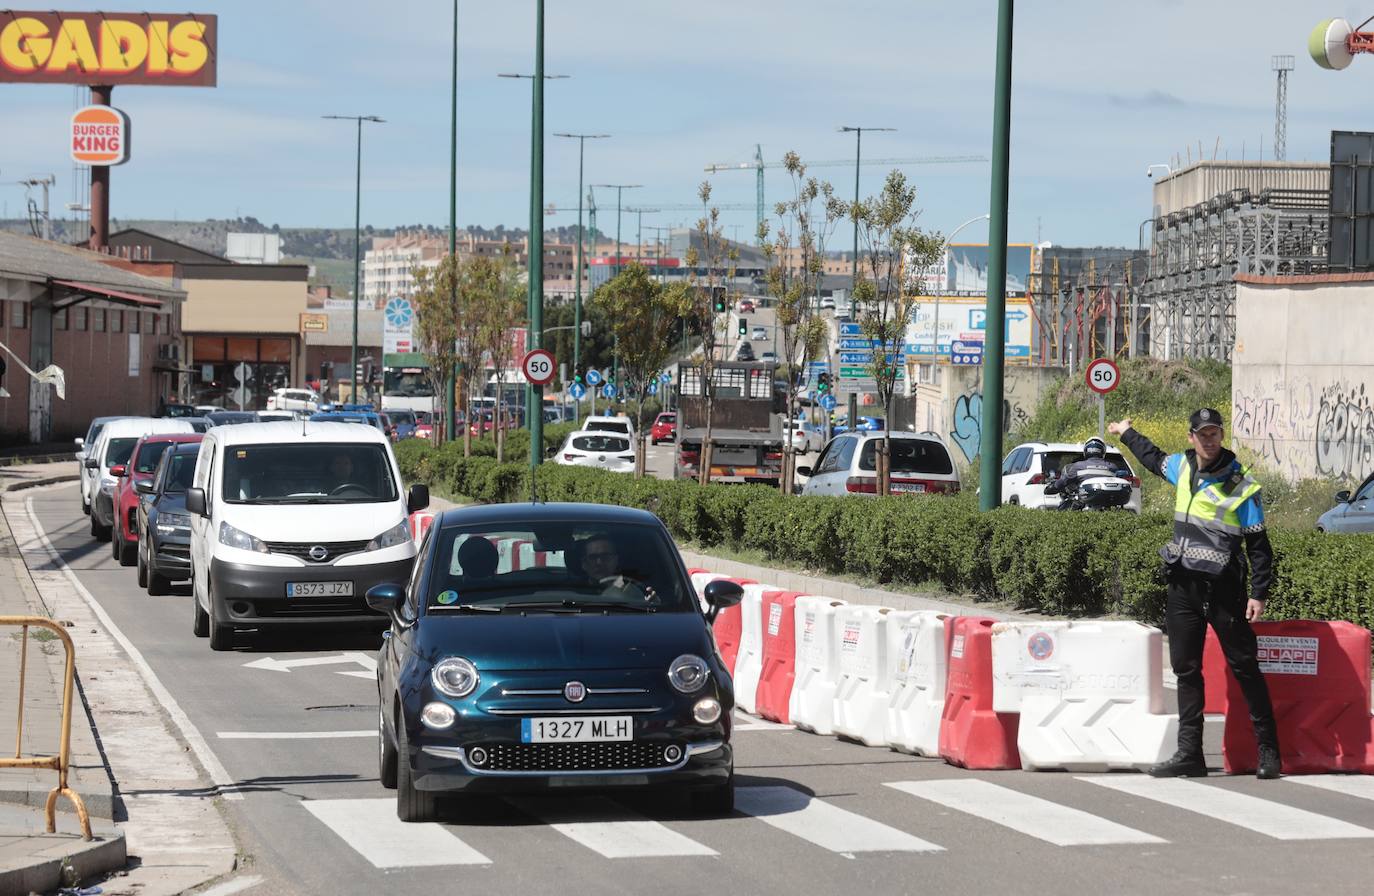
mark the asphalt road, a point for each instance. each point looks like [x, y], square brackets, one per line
[816, 814]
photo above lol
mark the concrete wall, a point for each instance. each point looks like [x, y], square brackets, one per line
[1302, 386]
[953, 407]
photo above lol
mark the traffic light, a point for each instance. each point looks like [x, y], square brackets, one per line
[720, 304]
[743, 328]
[823, 382]
[326, 371]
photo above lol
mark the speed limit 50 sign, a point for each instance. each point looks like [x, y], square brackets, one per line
[538, 366]
[1102, 376]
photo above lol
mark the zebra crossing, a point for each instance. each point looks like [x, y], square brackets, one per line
[614, 831]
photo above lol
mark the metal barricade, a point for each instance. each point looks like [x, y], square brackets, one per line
[61, 761]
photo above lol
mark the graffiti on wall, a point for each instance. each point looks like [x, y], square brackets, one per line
[967, 426]
[1344, 442]
[1276, 419]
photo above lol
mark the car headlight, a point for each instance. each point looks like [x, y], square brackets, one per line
[454, 677]
[397, 534]
[688, 673]
[237, 538]
[168, 522]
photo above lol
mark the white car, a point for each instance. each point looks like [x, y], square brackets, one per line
[759, 334]
[623, 425]
[920, 465]
[805, 437]
[89, 477]
[292, 523]
[827, 303]
[293, 400]
[597, 448]
[1028, 468]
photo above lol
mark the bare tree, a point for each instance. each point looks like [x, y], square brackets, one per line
[473, 273]
[643, 315]
[895, 254]
[436, 324]
[708, 288]
[498, 294]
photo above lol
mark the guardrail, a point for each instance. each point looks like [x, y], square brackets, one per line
[61, 761]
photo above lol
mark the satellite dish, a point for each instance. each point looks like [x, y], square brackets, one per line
[1329, 44]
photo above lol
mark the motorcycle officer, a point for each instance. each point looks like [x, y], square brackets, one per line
[1218, 522]
[1093, 464]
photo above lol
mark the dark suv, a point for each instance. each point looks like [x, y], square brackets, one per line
[164, 525]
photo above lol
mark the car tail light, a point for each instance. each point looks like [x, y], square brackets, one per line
[773, 456]
[1037, 479]
[861, 485]
[1134, 481]
[567, 456]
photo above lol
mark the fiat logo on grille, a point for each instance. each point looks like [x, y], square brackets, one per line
[575, 692]
[319, 552]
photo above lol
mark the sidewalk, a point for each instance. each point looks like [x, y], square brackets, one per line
[30, 858]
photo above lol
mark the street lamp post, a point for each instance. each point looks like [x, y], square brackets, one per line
[935, 343]
[357, 239]
[450, 386]
[854, 212]
[577, 306]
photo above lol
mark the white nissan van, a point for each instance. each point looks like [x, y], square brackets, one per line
[292, 522]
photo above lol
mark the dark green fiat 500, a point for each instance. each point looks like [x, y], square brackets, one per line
[541, 646]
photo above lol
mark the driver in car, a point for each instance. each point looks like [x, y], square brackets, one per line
[340, 470]
[601, 563]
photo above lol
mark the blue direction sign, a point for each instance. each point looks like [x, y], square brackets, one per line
[850, 345]
[855, 357]
[665, 377]
[608, 391]
[653, 389]
[577, 391]
[594, 377]
[828, 401]
[851, 329]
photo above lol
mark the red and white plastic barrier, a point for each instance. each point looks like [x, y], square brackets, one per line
[778, 669]
[726, 631]
[1318, 677]
[972, 733]
[918, 684]
[812, 706]
[420, 521]
[749, 660]
[1090, 694]
[864, 688]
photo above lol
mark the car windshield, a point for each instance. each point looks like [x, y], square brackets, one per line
[179, 410]
[558, 566]
[601, 443]
[1054, 461]
[296, 473]
[667, 418]
[401, 417]
[910, 456]
[149, 455]
[95, 431]
[183, 471]
[118, 451]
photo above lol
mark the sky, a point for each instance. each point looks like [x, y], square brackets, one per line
[1100, 91]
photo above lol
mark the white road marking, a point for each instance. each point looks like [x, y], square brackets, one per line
[232, 886]
[219, 775]
[827, 826]
[372, 829]
[292, 735]
[353, 656]
[1022, 812]
[1250, 812]
[1361, 786]
[625, 835]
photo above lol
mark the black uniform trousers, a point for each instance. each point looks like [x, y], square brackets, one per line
[1193, 602]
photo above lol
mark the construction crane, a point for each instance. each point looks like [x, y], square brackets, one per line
[758, 164]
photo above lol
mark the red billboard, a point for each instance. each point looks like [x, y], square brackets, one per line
[107, 48]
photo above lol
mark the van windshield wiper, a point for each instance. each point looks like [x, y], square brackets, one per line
[466, 608]
[579, 606]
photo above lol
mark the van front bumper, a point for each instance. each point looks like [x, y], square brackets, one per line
[255, 596]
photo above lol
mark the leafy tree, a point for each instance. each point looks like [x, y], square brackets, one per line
[796, 256]
[643, 316]
[894, 255]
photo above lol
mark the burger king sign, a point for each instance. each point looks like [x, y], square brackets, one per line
[100, 136]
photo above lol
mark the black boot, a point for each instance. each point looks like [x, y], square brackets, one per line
[1270, 763]
[1180, 765]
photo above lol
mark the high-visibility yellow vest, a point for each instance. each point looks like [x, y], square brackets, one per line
[1207, 531]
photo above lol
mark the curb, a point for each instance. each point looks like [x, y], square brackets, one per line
[68, 860]
[38, 483]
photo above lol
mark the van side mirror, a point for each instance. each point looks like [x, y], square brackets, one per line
[418, 499]
[92, 463]
[195, 501]
[385, 598]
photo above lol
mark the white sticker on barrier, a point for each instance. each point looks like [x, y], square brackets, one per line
[1287, 655]
[956, 649]
[774, 618]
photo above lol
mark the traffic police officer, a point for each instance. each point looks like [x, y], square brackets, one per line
[1217, 512]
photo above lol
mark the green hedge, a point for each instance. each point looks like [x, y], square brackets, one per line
[1063, 564]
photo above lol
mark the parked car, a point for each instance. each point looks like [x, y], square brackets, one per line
[596, 670]
[291, 523]
[231, 418]
[164, 526]
[759, 334]
[605, 450]
[1353, 512]
[847, 465]
[805, 437]
[1028, 468]
[90, 478]
[827, 303]
[140, 468]
[746, 306]
[293, 400]
[109, 460]
[664, 428]
[623, 425]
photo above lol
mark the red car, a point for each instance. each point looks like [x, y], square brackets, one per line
[142, 464]
[664, 428]
[746, 306]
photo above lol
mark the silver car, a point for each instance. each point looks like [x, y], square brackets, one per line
[1352, 513]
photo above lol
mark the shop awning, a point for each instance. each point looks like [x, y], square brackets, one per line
[104, 292]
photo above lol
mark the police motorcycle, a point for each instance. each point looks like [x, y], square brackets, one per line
[1098, 487]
